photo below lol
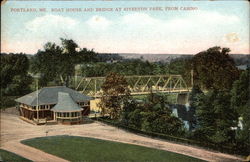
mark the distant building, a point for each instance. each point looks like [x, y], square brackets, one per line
[54, 104]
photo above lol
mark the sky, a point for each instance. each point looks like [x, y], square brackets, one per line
[151, 27]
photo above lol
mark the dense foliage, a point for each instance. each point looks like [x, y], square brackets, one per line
[57, 63]
[105, 57]
[240, 101]
[193, 95]
[214, 69]
[219, 98]
[131, 67]
[15, 79]
[181, 66]
[136, 67]
[215, 118]
[223, 117]
[153, 115]
[115, 94]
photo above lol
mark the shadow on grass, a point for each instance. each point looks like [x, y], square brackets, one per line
[11, 157]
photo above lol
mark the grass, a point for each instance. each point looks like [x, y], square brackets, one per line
[9, 156]
[75, 148]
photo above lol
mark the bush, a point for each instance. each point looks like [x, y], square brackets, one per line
[7, 101]
[229, 148]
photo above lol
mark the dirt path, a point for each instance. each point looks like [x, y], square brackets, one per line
[13, 130]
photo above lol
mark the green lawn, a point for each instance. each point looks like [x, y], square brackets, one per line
[11, 157]
[90, 149]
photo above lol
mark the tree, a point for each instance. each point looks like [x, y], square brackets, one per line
[58, 62]
[15, 79]
[214, 69]
[157, 117]
[20, 85]
[240, 92]
[240, 102]
[115, 94]
[181, 66]
[215, 117]
[192, 99]
[154, 115]
[196, 91]
[131, 116]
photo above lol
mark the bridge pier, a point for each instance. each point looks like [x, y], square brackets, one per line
[182, 98]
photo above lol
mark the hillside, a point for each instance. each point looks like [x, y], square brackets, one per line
[240, 59]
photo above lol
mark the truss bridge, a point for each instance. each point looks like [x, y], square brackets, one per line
[139, 84]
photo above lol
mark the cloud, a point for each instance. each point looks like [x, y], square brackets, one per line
[201, 19]
[51, 22]
[38, 31]
[190, 33]
[98, 22]
[196, 25]
[215, 17]
[51, 26]
[139, 19]
[232, 37]
[139, 32]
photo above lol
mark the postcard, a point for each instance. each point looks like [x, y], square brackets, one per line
[125, 80]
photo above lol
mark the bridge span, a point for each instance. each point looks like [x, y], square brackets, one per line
[138, 84]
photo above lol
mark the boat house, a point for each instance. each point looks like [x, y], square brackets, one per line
[54, 104]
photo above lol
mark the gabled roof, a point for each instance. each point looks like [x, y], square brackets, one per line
[49, 95]
[65, 104]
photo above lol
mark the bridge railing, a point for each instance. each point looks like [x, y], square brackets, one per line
[142, 84]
